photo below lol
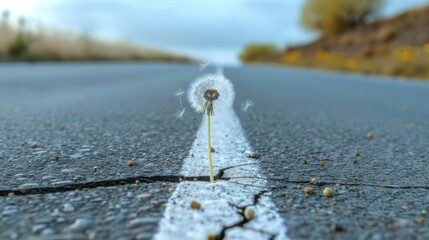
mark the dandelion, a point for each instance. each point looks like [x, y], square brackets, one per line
[203, 93]
[247, 107]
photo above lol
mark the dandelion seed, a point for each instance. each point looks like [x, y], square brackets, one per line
[180, 113]
[247, 107]
[202, 95]
[179, 94]
[203, 65]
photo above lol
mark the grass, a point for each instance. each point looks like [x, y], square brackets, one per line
[49, 45]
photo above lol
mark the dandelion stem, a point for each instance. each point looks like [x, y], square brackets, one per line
[209, 149]
[254, 115]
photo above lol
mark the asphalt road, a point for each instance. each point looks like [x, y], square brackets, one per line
[68, 131]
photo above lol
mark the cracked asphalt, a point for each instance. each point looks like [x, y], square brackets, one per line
[76, 127]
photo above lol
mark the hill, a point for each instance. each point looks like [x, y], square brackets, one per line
[20, 44]
[397, 46]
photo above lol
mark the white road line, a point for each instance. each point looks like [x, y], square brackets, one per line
[220, 201]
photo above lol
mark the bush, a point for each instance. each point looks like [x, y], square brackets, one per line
[330, 17]
[19, 47]
[256, 52]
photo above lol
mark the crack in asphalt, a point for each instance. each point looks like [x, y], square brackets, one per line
[243, 221]
[108, 183]
[115, 182]
[322, 183]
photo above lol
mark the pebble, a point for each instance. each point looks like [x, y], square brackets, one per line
[81, 224]
[143, 221]
[308, 190]
[195, 205]
[34, 145]
[327, 192]
[253, 154]
[249, 213]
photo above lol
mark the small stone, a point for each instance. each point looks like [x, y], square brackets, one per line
[337, 228]
[424, 212]
[253, 155]
[317, 218]
[210, 236]
[334, 201]
[355, 161]
[34, 145]
[11, 194]
[327, 192]
[304, 161]
[419, 221]
[212, 149]
[308, 191]
[249, 213]
[130, 163]
[313, 181]
[357, 154]
[94, 169]
[322, 163]
[195, 205]
[57, 158]
[370, 135]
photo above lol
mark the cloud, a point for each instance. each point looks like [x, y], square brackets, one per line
[189, 26]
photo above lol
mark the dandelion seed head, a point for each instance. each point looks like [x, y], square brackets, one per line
[248, 104]
[180, 113]
[180, 92]
[222, 85]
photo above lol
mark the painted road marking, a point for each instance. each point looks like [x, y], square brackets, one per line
[221, 201]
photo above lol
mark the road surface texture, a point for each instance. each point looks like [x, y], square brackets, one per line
[94, 151]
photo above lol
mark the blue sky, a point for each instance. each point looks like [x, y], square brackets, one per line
[215, 30]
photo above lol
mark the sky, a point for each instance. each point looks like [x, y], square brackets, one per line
[210, 30]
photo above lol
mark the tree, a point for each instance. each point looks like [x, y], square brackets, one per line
[256, 51]
[330, 17]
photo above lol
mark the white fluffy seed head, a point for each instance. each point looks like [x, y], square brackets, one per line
[211, 81]
[248, 104]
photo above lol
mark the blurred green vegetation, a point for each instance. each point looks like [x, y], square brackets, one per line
[330, 17]
[257, 52]
[396, 46]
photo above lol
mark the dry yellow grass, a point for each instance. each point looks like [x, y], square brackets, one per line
[66, 46]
